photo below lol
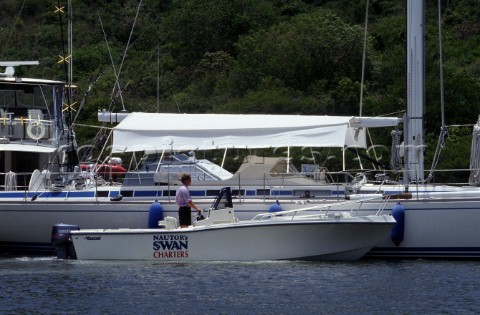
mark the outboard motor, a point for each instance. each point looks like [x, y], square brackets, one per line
[62, 241]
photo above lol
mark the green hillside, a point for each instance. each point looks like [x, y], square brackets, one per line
[252, 56]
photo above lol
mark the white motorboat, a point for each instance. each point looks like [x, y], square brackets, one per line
[288, 235]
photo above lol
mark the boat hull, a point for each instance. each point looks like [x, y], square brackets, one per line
[331, 239]
[434, 227]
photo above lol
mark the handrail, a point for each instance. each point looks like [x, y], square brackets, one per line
[383, 206]
[24, 182]
[294, 212]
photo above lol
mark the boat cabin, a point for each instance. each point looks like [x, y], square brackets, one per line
[32, 127]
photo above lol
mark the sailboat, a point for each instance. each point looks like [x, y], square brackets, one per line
[81, 200]
[438, 221]
[434, 221]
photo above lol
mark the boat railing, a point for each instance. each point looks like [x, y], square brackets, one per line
[46, 180]
[382, 207]
[451, 177]
[12, 181]
[324, 211]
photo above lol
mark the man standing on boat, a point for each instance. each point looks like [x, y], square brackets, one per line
[184, 202]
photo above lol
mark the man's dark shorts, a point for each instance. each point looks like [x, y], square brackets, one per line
[185, 215]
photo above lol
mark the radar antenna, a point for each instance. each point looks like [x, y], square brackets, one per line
[10, 67]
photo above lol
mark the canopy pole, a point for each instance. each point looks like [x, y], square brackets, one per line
[359, 159]
[103, 148]
[343, 158]
[373, 147]
[160, 162]
[224, 157]
[288, 160]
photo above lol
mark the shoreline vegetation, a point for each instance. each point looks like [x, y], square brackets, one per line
[253, 56]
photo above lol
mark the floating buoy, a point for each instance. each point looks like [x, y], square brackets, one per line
[398, 231]
[275, 207]
[155, 214]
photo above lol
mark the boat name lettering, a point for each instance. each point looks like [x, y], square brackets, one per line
[170, 246]
[93, 238]
[170, 237]
[171, 254]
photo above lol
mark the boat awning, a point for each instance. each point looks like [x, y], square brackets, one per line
[26, 148]
[181, 132]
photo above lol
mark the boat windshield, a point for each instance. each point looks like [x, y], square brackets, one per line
[29, 101]
[170, 168]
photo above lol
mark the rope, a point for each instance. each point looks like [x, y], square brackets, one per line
[117, 83]
[443, 129]
[70, 48]
[126, 49]
[85, 95]
[71, 156]
[94, 126]
[373, 148]
[355, 137]
[474, 179]
[438, 149]
[363, 58]
[395, 161]
[13, 29]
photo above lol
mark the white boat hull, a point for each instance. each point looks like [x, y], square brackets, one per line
[434, 227]
[312, 239]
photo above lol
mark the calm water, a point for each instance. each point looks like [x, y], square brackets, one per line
[48, 285]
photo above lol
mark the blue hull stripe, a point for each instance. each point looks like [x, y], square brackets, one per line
[378, 252]
[425, 252]
[282, 193]
[198, 193]
[136, 193]
[147, 193]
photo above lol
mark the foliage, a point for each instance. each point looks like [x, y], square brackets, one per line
[246, 56]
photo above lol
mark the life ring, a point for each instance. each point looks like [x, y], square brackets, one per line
[36, 130]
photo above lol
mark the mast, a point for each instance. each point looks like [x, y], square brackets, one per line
[68, 156]
[158, 78]
[414, 122]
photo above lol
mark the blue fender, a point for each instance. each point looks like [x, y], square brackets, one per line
[155, 214]
[398, 231]
[275, 207]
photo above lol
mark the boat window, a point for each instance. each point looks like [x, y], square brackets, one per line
[223, 200]
[195, 172]
[18, 101]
